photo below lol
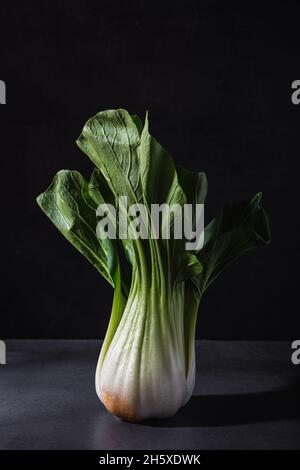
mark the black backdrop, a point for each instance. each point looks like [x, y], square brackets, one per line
[217, 83]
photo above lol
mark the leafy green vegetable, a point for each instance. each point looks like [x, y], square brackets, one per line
[146, 366]
[68, 203]
[237, 229]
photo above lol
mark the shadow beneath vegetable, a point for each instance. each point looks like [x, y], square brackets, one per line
[222, 410]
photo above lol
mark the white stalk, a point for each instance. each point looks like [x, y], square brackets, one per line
[143, 373]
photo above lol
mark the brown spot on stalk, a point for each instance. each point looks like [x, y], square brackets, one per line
[119, 406]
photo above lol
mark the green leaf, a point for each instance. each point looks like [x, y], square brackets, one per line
[110, 139]
[99, 190]
[189, 268]
[194, 185]
[138, 122]
[237, 229]
[68, 205]
[158, 173]
[161, 186]
[101, 194]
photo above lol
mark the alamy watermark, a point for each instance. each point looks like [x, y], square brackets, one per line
[2, 353]
[165, 221]
[2, 92]
[295, 97]
[296, 354]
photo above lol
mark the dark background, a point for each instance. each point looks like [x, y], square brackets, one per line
[216, 79]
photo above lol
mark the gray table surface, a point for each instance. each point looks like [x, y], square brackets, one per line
[247, 396]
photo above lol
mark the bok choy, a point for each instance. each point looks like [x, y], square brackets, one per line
[146, 366]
